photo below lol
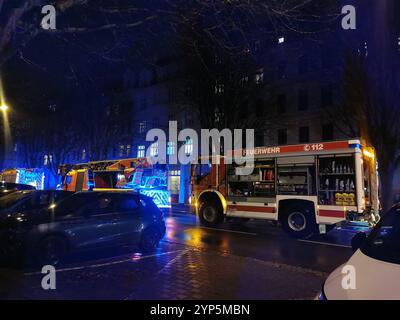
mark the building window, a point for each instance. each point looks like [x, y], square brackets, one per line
[327, 132]
[154, 149]
[219, 87]
[259, 139]
[141, 151]
[259, 76]
[46, 160]
[189, 147]
[244, 80]
[281, 70]
[121, 150]
[259, 106]
[281, 40]
[304, 134]
[142, 126]
[282, 136]
[83, 154]
[281, 104]
[303, 65]
[170, 148]
[326, 96]
[303, 100]
[128, 150]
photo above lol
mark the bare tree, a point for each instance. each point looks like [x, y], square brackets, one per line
[370, 108]
[228, 23]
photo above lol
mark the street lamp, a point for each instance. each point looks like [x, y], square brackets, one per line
[4, 108]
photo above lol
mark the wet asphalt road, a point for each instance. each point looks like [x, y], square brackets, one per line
[256, 260]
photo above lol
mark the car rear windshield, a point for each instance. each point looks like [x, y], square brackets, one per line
[11, 199]
[384, 241]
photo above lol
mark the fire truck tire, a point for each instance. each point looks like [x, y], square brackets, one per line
[298, 222]
[210, 214]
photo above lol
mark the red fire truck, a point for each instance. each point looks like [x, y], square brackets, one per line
[308, 188]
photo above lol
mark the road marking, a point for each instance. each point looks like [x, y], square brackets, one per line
[178, 257]
[326, 243]
[106, 263]
[231, 231]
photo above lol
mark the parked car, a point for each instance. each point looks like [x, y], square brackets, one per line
[375, 263]
[85, 220]
[7, 188]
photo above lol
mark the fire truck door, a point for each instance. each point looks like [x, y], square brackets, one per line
[79, 181]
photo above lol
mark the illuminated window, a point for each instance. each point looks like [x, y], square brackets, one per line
[219, 87]
[154, 149]
[141, 152]
[46, 160]
[259, 77]
[171, 148]
[189, 147]
[83, 154]
[281, 40]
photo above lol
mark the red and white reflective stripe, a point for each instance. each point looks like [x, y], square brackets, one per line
[332, 213]
[252, 208]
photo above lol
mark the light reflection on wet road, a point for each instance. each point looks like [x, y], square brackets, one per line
[256, 260]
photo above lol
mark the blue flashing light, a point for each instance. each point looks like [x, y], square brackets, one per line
[355, 146]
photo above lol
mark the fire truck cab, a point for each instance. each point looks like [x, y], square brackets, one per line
[308, 188]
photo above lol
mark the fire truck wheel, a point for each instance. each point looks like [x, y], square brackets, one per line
[298, 222]
[210, 215]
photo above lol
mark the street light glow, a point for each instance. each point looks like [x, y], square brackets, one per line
[3, 107]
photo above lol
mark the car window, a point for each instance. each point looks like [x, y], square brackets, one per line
[384, 241]
[12, 199]
[74, 203]
[102, 205]
[37, 201]
[58, 196]
[126, 203]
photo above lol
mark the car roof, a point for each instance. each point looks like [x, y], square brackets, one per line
[112, 193]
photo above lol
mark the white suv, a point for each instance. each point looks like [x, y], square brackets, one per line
[373, 272]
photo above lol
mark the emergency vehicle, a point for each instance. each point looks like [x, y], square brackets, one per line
[32, 177]
[308, 188]
[135, 174]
